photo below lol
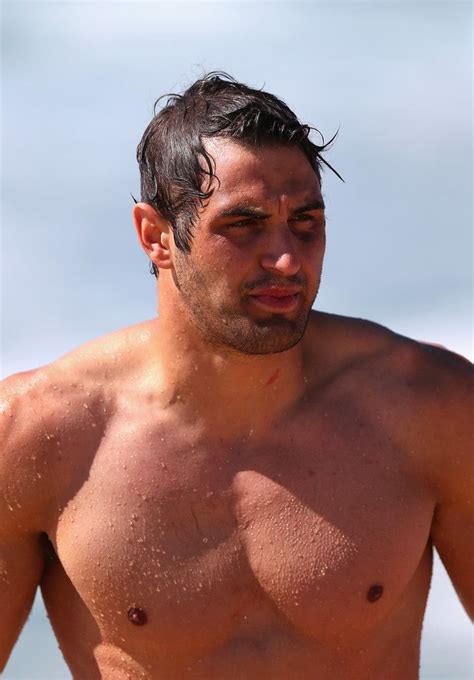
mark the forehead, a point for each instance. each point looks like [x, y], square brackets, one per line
[260, 175]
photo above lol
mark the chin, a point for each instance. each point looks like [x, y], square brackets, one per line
[262, 336]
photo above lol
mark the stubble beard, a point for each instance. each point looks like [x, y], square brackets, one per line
[231, 329]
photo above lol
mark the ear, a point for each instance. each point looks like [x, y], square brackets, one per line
[154, 234]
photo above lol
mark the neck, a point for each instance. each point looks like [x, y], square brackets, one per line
[227, 392]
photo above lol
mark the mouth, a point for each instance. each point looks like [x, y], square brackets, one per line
[276, 302]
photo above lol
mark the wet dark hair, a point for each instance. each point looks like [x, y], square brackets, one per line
[172, 157]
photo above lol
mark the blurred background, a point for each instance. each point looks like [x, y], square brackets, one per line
[79, 80]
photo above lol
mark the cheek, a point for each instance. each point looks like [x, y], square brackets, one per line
[312, 254]
[227, 259]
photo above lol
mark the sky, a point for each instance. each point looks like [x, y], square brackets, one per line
[79, 80]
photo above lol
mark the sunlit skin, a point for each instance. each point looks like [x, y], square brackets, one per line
[243, 487]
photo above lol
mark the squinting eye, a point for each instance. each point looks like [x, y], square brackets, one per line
[248, 224]
[303, 218]
[306, 223]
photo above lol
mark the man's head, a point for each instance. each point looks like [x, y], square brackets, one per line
[230, 175]
[176, 169]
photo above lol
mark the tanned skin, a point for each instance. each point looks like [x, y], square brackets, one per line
[233, 490]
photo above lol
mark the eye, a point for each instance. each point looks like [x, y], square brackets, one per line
[303, 218]
[244, 224]
[305, 222]
[310, 220]
[307, 227]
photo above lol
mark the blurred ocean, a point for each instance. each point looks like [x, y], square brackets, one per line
[446, 652]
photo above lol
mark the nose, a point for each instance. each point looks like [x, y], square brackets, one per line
[280, 254]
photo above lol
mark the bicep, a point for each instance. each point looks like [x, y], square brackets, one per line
[21, 567]
[452, 533]
[23, 492]
[449, 466]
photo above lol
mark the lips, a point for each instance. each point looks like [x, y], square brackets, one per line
[276, 299]
[276, 292]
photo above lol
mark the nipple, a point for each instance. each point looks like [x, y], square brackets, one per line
[137, 616]
[374, 593]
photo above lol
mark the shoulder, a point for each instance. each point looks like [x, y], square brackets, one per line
[422, 393]
[53, 417]
[371, 348]
[90, 371]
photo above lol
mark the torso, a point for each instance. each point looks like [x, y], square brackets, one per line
[305, 554]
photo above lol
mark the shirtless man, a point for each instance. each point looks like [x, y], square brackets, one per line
[241, 488]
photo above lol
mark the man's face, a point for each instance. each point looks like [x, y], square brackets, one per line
[262, 232]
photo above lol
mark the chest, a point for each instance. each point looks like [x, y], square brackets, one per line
[303, 526]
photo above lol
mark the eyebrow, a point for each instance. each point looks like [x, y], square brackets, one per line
[243, 211]
[318, 204]
[256, 213]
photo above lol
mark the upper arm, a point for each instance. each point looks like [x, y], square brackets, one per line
[452, 534]
[46, 415]
[21, 556]
[453, 522]
[21, 567]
